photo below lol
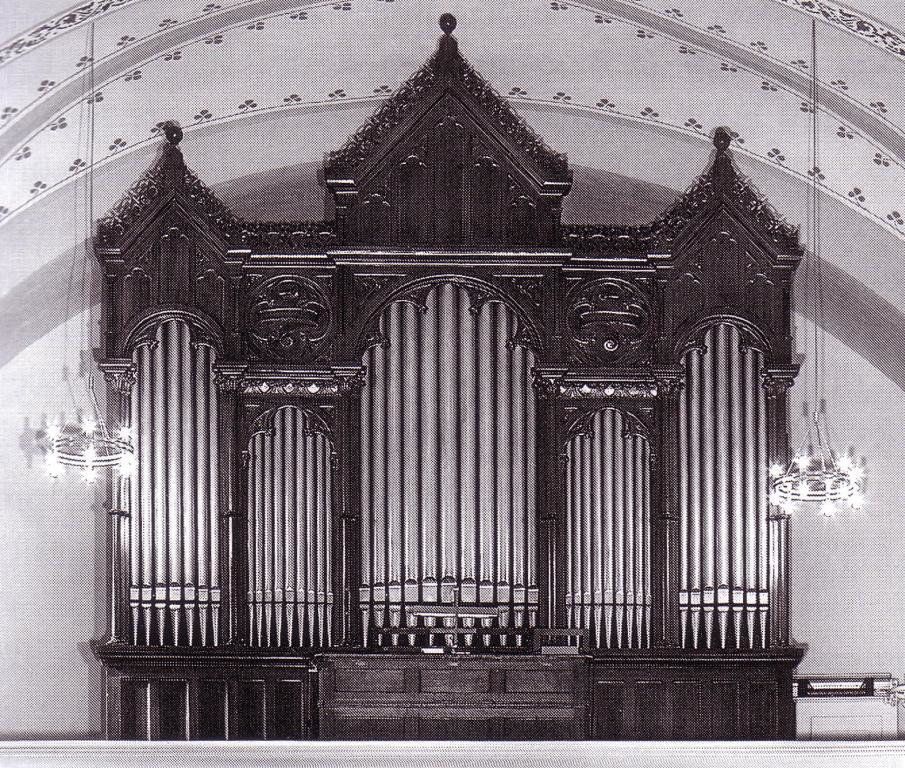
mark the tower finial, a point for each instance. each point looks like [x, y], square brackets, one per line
[172, 131]
[722, 138]
[447, 23]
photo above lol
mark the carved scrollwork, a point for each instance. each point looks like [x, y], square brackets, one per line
[607, 318]
[287, 317]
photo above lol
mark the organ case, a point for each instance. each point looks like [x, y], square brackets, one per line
[445, 422]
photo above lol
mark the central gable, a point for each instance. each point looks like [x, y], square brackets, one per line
[445, 161]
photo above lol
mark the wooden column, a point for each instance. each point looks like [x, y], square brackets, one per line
[120, 376]
[551, 496]
[233, 544]
[665, 512]
[346, 576]
[776, 381]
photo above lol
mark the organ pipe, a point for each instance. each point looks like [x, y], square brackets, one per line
[289, 533]
[447, 471]
[608, 519]
[723, 483]
[173, 587]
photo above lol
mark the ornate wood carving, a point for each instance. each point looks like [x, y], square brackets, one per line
[287, 317]
[608, 319]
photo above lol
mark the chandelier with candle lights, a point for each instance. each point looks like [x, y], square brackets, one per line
[87, 444]
[816, 473]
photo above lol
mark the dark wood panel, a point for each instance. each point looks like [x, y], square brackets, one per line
[724, 710]
[539, 681]
[211, 709]
[610, 700]
[687, 710]
[172, 706]
[288, 709]
[762, 709]
[455, 681]
[651, 711]
[366, 728]
[363, 680]
[250, 712]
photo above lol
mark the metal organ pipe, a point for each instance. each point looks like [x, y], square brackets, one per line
[173, 587]
[723, 504]
[447, 430]
[608, 523]
[289, 524]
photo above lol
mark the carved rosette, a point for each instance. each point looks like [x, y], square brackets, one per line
[607, 319]
[287, 317]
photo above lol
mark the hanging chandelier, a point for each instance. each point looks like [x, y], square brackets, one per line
[816, 473]
[87, 444]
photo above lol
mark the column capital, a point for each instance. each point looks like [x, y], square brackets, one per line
[228, 375]
[777, 379]
[120, 373]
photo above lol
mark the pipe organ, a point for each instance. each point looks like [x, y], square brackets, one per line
[448, 468]
[444, 466]
[608, 531]
[289, 532]
[174, 578]
[723, 494]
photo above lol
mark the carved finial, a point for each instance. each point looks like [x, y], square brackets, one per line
[722, 138]
[447, 23]
[173, 132]
[448, 48]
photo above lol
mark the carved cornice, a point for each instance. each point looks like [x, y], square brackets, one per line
[446, 66]
[302, 383]
[606, 389]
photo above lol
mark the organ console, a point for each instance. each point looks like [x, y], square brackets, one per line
[443, 466]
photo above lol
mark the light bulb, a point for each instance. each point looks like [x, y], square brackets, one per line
[803, 461]
[775, 498]
[789, 508]
[89, 475]
[844, 464]
[776, 470]
[856, 501]
[828, 508]
[125, 434]
[53, 466]
[90, 454]
[88, 426]
[127, 465]
[856, 474]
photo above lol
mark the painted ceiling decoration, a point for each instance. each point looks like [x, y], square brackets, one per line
[602, 67]
[133, 67]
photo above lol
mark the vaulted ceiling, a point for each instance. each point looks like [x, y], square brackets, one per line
[634, 89]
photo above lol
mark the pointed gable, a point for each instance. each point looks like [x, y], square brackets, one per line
[446, 161]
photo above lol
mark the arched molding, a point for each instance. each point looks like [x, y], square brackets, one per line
[203, 328]
[264, 422]
[751, 334]
[480, 292]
